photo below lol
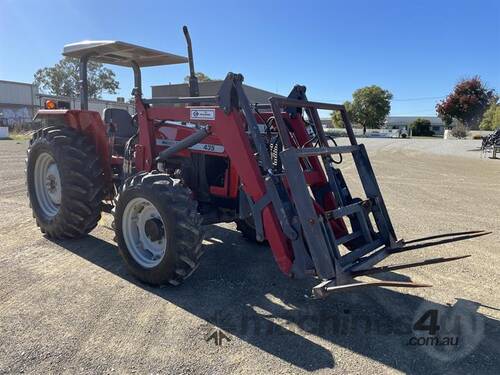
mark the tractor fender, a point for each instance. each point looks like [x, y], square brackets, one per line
[91, 125]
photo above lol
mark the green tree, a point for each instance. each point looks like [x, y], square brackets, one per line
[491, 118]
[202, 77]
[421, 127]
[62, 79]
[369, 107]
[337, 121]
[467, 103]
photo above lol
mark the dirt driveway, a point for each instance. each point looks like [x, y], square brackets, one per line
[72, 307]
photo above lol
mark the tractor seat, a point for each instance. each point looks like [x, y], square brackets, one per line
[124, 126]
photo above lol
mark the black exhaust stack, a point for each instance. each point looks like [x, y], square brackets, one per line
[194, 89]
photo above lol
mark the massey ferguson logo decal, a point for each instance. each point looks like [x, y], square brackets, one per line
[202, 114]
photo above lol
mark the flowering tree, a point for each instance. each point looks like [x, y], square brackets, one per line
[467, 103]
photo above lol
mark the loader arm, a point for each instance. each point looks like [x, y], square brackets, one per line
[313, 224]
[239, 150]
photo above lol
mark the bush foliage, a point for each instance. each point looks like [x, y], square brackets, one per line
[421, 128]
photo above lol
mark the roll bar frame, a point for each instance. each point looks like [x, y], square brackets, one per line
[137, 91]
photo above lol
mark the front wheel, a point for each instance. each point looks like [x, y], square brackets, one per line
[158, 229]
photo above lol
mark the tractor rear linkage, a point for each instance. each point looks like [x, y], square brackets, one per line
[315, 245]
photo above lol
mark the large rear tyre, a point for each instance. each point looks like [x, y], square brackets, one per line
[65, 182]
[158, 229]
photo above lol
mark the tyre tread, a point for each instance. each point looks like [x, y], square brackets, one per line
[83, 184]
[188, 230]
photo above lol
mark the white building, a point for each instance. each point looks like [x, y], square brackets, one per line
[20, 101]
[404, 122]
[16, 102]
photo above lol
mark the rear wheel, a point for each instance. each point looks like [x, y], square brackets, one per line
[65, 182]
[158, 229]
[247, 228]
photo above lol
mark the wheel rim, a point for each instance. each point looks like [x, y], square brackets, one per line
[144, 232]
[47, 185]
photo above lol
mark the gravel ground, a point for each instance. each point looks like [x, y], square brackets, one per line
[466, 148]
[72, 307]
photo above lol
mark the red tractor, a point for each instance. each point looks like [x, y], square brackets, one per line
[184, 162]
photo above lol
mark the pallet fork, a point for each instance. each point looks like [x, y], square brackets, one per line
[315, 233]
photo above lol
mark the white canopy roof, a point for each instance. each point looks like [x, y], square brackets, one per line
[121, 53]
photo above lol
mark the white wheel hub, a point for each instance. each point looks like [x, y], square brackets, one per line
[144, 232]
[47, 181]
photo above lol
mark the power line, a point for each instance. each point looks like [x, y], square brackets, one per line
[397, 99]
[416, 99]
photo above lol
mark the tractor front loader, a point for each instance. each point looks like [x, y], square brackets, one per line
[180, 163]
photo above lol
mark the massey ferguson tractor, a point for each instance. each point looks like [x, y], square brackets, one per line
[181, 163]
